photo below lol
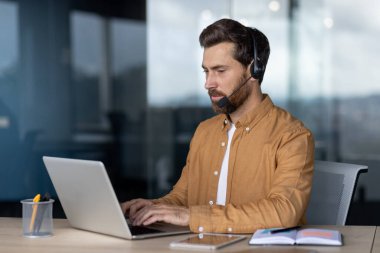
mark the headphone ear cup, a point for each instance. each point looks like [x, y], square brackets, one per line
[257, 68]
[257, 71]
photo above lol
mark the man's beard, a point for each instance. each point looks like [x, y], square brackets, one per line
[236, 99]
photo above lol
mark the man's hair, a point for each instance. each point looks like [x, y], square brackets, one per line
[228, 30]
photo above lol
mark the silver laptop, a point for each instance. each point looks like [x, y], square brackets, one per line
[90, 203]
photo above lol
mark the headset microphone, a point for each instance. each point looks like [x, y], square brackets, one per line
[224, 102]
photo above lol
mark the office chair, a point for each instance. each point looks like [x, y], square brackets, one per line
[332, 191]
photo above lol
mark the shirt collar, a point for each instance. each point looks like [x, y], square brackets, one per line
[251, 118]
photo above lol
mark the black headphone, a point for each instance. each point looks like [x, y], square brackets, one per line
[257, 68]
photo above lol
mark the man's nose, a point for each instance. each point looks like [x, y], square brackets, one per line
[210, 81]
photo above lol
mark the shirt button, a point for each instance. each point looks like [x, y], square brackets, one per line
[200, 229]
[223, 144]
[216, 173]
[247, 129]
[229, 229]
[211, 202]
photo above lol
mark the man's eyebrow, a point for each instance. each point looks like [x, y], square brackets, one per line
[215, 67]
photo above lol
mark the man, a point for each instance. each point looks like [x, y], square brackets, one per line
[249, 167]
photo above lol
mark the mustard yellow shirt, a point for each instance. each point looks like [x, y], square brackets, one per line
[269, 172]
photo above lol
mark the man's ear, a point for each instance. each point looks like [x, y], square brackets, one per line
[249, 69]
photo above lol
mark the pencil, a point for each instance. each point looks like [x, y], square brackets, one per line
[34, 213]
[284, 229]
[40, 213]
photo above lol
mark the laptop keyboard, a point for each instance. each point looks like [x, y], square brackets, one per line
[139, 230]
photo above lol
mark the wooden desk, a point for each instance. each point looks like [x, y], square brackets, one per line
[66, 239]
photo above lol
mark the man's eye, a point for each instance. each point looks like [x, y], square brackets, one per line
[221, 70]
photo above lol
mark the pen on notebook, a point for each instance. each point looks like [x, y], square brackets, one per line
[36, 199]
[284, 229]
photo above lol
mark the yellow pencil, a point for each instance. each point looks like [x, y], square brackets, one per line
[34, 213]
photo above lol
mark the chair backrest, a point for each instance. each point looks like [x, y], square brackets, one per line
[332, 191]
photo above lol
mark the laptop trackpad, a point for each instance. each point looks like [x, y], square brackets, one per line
[141, 230]
[156, 228]
[168, 227]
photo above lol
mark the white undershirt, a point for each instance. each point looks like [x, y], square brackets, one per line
[222, 185]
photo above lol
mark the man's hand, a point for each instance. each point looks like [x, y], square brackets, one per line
[167, 213]
[132, 207]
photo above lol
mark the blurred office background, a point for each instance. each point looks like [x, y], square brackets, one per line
[121, 82]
